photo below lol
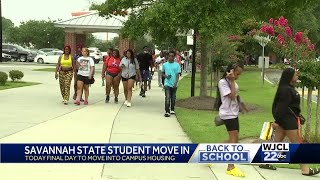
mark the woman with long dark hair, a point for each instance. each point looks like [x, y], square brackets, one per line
[64, 71]
[285, 110]
[111, 71]
[229, 108]
[130, 73]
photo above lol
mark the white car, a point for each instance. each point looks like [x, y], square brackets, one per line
[96, 55]
[6, 57]
[50, 57]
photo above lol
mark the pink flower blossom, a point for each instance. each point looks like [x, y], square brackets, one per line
[288, 31]
[281, 39]
[282, 21]
[311, 47]
[271, 20]
[286, 22]
[298, 37]
[276, 22]
[306, 41]
[267, 29]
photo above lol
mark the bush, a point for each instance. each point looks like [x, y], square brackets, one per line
[3, 78]
[15, 74]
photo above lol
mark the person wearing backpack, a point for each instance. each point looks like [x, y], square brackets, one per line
[229, 108]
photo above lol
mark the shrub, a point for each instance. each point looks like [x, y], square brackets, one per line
[15, 74]
[3, 78]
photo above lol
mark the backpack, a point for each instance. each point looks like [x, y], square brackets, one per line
[218, 101]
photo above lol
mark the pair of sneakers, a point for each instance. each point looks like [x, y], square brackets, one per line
[168, 114]
[116, 100]
[65, 102]
[142, 94]
[78, 102]
[128, 104]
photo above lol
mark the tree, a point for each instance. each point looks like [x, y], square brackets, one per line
[297, 47]
[163, 19]
[40, 34]
[90, 39]
[6, 24]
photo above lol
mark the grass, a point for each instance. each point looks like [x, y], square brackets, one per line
[45, 69]
[199, 124]
[17, 84]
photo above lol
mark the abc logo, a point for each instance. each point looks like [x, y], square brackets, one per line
[281, 156]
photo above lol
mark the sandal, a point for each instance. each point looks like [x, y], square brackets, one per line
[312, 171]
[267, 166]
[235, 172]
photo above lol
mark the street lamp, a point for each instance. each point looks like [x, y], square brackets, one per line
[193, 72]
[263, 41]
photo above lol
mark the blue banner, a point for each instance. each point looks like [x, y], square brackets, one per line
[271, 153]
[96, 153]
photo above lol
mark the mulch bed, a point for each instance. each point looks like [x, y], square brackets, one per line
[205, 103]
[197, 103]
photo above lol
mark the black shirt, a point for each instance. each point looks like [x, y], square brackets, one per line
[145, 60]
[286, 98]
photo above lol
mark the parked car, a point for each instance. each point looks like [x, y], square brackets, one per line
[32, 54]
[50, 57]
[46, 50]
[96, 55]
[6, 57]
[17, 52]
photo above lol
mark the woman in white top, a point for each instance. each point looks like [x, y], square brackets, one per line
[85, 75]
[129, 73]
[229, 109]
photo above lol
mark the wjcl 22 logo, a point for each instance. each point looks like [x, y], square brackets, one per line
[275, 152]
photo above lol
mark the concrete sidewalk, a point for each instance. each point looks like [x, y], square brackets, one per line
[115, 123]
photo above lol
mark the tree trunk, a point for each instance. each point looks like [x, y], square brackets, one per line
[204, 68]
[309, 109]
[317, 116]
[302, 100]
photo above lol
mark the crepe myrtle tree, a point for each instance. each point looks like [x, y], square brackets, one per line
[297, 47]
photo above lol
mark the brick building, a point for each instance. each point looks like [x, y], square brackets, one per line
[82, 23]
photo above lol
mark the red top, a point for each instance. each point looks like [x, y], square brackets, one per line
[178, 58]
[106, 58]
[113, 65]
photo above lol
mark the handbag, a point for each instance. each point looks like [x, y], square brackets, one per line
[267, 131]
[299, 118]
[218, 121]
[92, 80]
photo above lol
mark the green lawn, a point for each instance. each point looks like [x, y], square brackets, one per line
[17, 84]
[45, 69]
[199, 124]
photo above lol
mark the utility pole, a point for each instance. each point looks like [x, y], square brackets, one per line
[193, 75]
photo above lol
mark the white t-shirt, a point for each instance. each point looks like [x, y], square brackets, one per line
[85, 64]
[229, 109]
[158, 60]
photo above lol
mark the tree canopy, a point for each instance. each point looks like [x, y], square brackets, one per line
[40, 34]
[162, 19]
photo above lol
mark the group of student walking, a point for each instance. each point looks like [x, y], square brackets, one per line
[130, 68]
[82, 69]
[285, 110]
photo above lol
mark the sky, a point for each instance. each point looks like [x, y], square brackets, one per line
[23, 10]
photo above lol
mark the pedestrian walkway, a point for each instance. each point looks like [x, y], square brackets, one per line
[115, 123]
